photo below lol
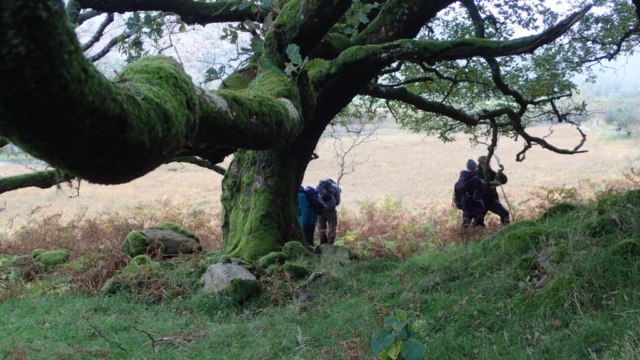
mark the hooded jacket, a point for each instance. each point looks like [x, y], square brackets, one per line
[306, 215]
[477, 189]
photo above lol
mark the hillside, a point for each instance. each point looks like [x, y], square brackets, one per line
[562, 286]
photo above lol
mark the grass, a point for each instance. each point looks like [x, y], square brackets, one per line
[484, 293]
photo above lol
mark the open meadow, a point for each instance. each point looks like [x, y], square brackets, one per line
[418, 170]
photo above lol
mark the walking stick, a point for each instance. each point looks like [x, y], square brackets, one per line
[507, 201]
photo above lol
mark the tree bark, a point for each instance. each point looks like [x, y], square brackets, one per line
[259, 188]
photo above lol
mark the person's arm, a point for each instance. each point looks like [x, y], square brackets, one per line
[503, 178]
[337, 194]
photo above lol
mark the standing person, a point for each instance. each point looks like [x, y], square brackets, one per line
[306, 216]
[491, 198]
[330, 194]
[475, 188]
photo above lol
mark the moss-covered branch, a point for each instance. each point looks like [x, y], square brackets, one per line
[303, 23]
[190, 11]
[436, 51]
[42, 179]
[400, 19]
[58, 108]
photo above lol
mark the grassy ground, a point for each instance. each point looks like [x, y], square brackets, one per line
[563, 285]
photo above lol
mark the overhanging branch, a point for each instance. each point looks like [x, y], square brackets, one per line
[109, 133]
[42, 179]
[190, 11]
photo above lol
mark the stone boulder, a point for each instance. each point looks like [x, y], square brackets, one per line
[51, 259]
[167, 240]
[232, 280]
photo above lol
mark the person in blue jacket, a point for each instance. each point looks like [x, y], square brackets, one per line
[306, 216]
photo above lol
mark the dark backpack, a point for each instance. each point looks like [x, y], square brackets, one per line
[314, 199]
[462, 196]
[326, 190]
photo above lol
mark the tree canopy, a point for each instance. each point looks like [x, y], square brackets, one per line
[487, 68]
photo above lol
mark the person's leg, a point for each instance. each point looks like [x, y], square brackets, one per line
[479, 220]
[308, 233]
[322, 228]
[466, 222]
[332, 219]
[497, 208]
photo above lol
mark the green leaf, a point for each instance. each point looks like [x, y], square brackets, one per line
[402, 315]
[393, 322]
[412, 349]
[379, 340]
[402, 334]
[293, 51]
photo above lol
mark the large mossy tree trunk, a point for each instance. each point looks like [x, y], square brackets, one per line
[259, 201]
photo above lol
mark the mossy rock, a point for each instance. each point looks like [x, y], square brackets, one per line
[135, 244]
[178, 229]
[51, 259]
[294, 250]
[272, 258]
[551, 297]
[626, 248]
[239, 290]
[36, 252]
[559, 210]
[296, 271]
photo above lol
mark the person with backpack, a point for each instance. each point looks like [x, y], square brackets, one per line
[491, 198]
[306, 216]
[330, 193]
[468, 194]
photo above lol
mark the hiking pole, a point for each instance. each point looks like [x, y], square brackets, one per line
[506, 201]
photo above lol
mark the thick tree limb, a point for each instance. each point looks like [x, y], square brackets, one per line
[190, 11]
[57, 107]
[303, 23]
[436, 51]
[43, 179]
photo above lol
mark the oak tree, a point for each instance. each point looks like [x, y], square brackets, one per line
[487, 68]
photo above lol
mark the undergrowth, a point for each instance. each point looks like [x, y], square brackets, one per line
[561, 282]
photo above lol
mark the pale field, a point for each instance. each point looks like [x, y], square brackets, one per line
[418, 170]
